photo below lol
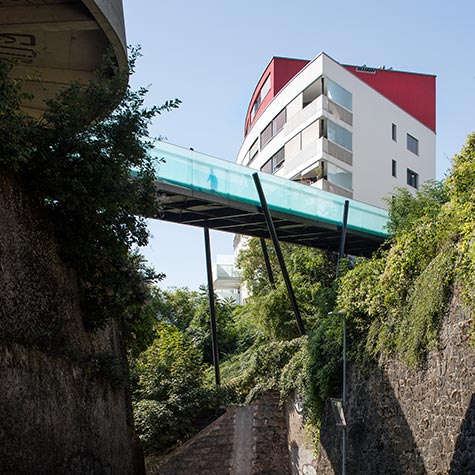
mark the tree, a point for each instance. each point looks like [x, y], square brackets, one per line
[189, 312]
[404, 207]
[79, 171]
[312, 274]
[171, 395]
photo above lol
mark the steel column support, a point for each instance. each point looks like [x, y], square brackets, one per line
[212, 310]
[278, 251]
[343, 399]
[270, 274]
[341, 250]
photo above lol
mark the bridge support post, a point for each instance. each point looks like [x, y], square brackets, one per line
[341, 251]
[270, 274]
[212, 310]
[278, 251]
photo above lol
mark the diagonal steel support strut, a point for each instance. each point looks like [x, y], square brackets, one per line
[212, 310]
[278, 251]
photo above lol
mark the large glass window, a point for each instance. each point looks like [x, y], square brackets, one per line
[260, 97]
[339, 135]
[312, 92]
[278, 122]
[275, 162]
[266, 135]
[253, 150]
[412, 179]
[338, 176]
[412, 144]
[339, 95]
[273, 128]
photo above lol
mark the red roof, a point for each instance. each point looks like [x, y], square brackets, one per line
[412, 92]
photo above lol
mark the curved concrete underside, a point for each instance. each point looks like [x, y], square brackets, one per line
[56, 42]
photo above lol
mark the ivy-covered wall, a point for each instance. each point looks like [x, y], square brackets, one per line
[65, 407]
[410, 420]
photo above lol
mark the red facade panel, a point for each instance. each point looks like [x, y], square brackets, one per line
[412, 92]
[281, 71]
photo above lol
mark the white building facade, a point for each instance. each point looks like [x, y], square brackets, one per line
[355, 131]
[327, 127]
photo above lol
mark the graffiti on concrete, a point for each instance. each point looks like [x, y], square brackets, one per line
[18, 46]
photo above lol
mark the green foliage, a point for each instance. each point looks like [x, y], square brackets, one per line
[461, 186]
[176, 306]
[422, 317]
[189, 311]
[80, 175]
[199, 328]
[272, 365]
[399, 297]
[171, 396]
[15, 126]
[324, 372]
[405, 208]
[311, 272]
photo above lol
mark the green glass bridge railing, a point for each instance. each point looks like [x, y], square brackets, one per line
[197, 171]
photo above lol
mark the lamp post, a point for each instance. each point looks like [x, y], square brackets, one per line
[341, 410]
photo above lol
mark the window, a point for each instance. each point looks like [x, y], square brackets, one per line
[312, 92]
[394, 169]
[260, 97]
[394, 132]
[273, 128]
[253, 150]
[275, 162]
[339, 135]
[338, 94]
[412, 144]
[338, 176]
[412, 179]
[266, 135]
[278, 160]
[278, 122]
[265, 88]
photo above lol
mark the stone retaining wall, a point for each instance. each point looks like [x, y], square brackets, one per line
[410, 420]
[60, 411]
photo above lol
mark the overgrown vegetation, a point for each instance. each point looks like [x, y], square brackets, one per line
[171, 397]
[173, 394]
[394, 303]
[79, 173]
[278, 358]
[399, 297]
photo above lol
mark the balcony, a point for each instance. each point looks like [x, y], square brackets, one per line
[314, 109]
[226, 276]
[325, 185]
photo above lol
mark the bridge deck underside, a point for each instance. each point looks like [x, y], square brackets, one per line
[195, 208]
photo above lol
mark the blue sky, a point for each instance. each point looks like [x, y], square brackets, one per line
[210, 54]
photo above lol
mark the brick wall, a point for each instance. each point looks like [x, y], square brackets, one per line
[248, 440]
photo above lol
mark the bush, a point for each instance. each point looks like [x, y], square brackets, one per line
[171, 397]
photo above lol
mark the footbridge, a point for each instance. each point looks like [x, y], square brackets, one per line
[199, 190]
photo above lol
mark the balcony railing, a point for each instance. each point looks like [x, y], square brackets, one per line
[337, 152]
